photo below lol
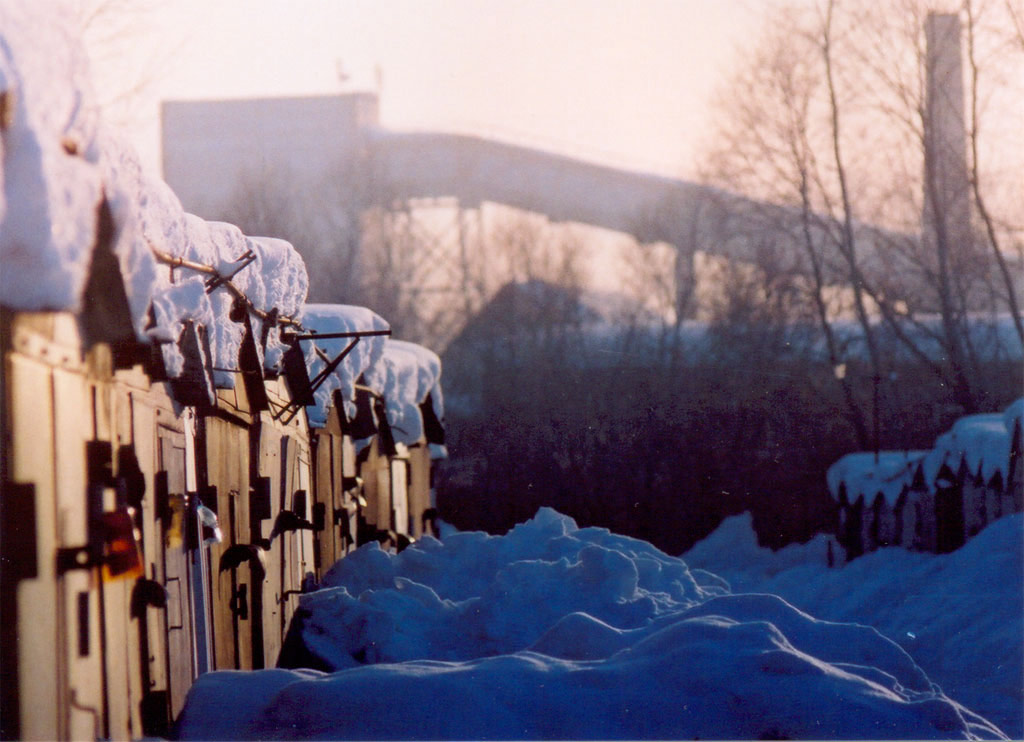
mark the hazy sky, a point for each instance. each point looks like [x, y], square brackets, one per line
[627, 82]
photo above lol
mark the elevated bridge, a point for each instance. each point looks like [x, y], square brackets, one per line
[474, 170]
[213, 147]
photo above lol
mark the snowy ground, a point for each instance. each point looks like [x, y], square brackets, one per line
[556, 632]
[960, 615]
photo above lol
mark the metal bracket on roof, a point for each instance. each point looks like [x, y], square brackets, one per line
[315, 383]
[291, 337]
[243, 262]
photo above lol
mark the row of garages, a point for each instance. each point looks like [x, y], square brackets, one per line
[932, 500]
[145, 542]
[187, 446]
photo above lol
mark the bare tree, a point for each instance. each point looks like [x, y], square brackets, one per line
[276, 203]
[529, 248]
[992, 231]
[664, 275]
[781, 131]
[114, 31]
[834, 117]
[957, 261]
[1016, 16]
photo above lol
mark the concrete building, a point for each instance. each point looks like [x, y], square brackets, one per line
[211, 146]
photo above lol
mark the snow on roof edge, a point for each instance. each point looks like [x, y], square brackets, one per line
[60, 161]
[982, 442]
[405, 374]
[328, 318]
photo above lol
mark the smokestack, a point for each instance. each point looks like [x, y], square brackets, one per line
[947, 210]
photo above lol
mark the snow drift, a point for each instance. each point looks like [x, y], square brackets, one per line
[553, 631]
[957, 614]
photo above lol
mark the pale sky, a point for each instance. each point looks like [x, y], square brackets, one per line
[624, 82]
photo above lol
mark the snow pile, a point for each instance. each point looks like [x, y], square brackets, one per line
[273, 277]
[404, 375]
[504, 591]
[556, 632]
[51, 184]
[957, 614]
[285, 282]
[269, 272]
[732, 554]
[868, 475]
[328, 318]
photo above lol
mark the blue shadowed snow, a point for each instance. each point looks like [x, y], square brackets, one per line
[957, 614]
[556, 632]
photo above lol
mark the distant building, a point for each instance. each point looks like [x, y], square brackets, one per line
[210, 146]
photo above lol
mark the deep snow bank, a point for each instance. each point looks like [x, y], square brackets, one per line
[552, 631]
[476, 595]
[959, 615]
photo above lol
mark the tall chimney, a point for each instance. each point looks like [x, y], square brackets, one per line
[947, 210]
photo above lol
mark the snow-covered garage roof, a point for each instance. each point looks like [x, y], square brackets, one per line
[59, 163]
[981, 442]
[340, 318]
[404, 375]
[863, 474]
